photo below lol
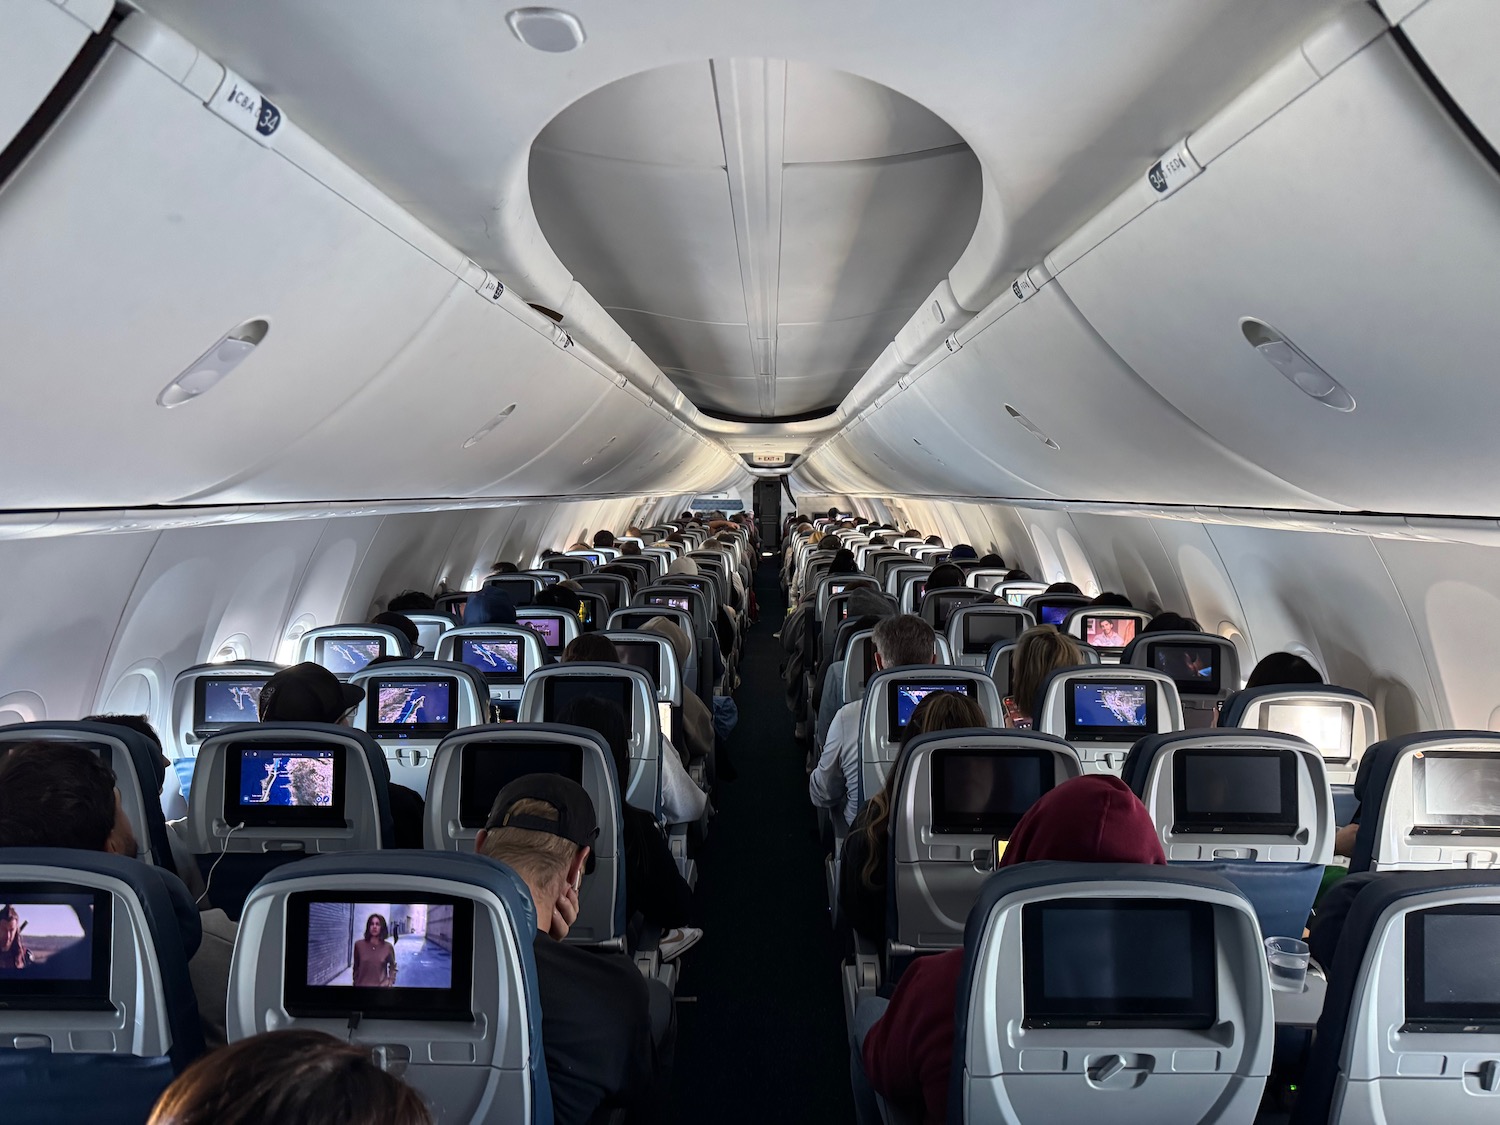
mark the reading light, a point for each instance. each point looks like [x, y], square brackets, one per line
[1294, 364]
[204, 373]
[546, 29]
[1030, 427]
[484, 430]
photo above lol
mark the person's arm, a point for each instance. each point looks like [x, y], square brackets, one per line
[826, 785]
[916, 1031]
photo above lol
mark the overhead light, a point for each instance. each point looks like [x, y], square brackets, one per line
[546, 29]
[484, 430]
[1030, 427]
[204, 373]
[1295, 365]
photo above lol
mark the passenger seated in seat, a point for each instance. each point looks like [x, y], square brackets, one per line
[406, 627]
[991, 561]
[1017, 575]
[503, 566]
[182, 859]
[654, 888]
[1168, 622]
[865, 856]
[946, 576]
[489, 605]
[310, 693]
[1111, 599]
[607, 1032]
[412, 601]
[292, 1077]
[964, 552]
[62, 795]
[907, 1051]
[697, 719]
[834, 783]
[1283, 668]
[1041, 650]
[141, 725]
[591, 647]
[604, 538]
[843, 563]
[1062, 588]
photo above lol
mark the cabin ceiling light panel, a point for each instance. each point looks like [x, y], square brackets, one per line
[1295, 365]
[546, 29]
[205, 372]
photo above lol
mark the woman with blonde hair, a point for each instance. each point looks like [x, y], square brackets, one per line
[1040, 652]
[864, 859]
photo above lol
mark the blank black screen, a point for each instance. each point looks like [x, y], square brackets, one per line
[1452, 975]
[982, 791]
[561, 692]
[640, 654]
[485, 769]
[1249, 790]
[982, 631]
[1118, 962]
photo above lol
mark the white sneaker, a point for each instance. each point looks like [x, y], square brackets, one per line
[674, 943]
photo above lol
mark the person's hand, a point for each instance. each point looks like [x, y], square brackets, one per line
[1343, 840]
[564, 913]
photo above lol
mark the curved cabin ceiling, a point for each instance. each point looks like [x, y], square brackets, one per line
[761, 228]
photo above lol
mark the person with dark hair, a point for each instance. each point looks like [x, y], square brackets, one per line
[62, 795]
[1283, 668]
[412, 601]
[375, 955]
[292, 1077]
[1063, 588]
[934, 540]
[310, 693]
[946, 576]
[843, 562]
[560, 596]
[991, 561]
[1016, 575]
[962, 552]
[591, 647]
[864, 861]
[907, 1051]
[503, 566]
[604, 538]
[1169, 622]
[406, 627]
[1041, 650]
[629, 550]
[1112, 600]
[141, 725]
[654, 888]
[489, 605]
[606, 1030]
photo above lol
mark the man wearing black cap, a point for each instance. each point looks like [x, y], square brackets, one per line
[597, 1011]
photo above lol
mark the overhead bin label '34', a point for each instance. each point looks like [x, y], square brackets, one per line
[246, 108]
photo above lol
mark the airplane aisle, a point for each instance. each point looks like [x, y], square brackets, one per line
[765, 1016]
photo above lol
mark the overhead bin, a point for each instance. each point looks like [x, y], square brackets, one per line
[1459, 41]
[39, 40]
[1360, 231]
[139, 233]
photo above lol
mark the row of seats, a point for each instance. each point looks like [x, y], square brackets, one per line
[290, 827]
[1076, 982]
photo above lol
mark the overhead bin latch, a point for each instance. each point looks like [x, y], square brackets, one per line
[246, 108]
[1173, 170]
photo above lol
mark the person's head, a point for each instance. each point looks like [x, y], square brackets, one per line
[1281, 668]
[843, 563]
[934, 540]
[1089, 819]
[683, 565]
[1041, 650]
[505, 566]
[308, 693]
[292, 1077]
[10, 926]
[629, 549]
[943, 710]
[591, 646]
[877, 540]
[1063, 588]
[1168, 622]
[946, 576]
[962, 552]
[904, 639]
[62, 795]
[376, 929]
[403, 625]
[489, 605]
[604, 538]
[1016, 575]
[558, 596]
[412, 601]
[1112, 600]
[992, 561]
[142, 726]
[604, 718]
[542, 826]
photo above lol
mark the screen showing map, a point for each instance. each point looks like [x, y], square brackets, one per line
[550, 629]
[412, 708]
[905, 697]
[345, 655]
[1109, 712]
[275, 785]
[222, 701]
[498, 659]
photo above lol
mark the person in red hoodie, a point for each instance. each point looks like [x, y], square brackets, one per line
[908, 1052]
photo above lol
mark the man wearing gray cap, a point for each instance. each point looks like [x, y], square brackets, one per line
[606, 1030]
